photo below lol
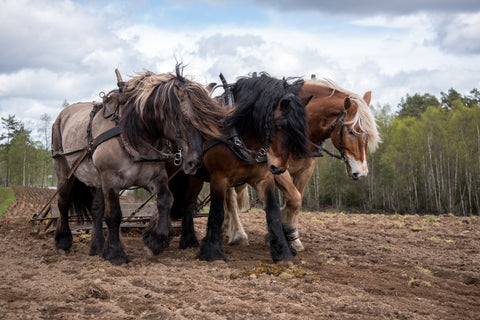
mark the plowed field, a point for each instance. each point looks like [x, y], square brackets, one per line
[355, 266]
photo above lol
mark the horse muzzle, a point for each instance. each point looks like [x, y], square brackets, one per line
[276, 170]
[355, 170]
[190, 167]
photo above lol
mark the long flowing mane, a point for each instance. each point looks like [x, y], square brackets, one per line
[364, 116]
[256, 99]
[153, 108]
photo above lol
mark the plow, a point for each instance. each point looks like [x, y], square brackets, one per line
[135, 215]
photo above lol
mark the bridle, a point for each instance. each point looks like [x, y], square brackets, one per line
[233, 140]
[340, 118]
[320, 149]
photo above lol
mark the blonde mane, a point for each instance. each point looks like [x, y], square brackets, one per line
[364, 116]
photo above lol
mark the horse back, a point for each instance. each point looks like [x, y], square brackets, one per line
[69, 131]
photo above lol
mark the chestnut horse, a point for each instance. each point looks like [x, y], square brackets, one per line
[333, 113]
[124, 142]
[269, 120]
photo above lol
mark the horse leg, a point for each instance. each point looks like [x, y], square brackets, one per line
[211, 248]
[293, 188]
[63, 234]
[188, 237]
[159, 233]
[280, 251]
[243, 199]
[293, 203]
[185, 189]
[232, 224]
[98, 208]
[113, 250]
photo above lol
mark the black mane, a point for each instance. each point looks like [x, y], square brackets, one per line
[256, 99]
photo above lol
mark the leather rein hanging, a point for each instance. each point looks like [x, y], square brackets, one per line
[321, 149]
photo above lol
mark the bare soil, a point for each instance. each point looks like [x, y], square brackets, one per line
[355, 266]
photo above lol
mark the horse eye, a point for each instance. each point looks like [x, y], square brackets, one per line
[351, 132]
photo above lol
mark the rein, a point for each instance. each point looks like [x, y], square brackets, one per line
[321, 149]
[236, 145]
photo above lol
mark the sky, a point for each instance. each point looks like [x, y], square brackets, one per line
[52, 51]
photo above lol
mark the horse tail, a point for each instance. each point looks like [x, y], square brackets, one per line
[82, 201]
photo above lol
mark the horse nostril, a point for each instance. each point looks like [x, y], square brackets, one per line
[276, 170]
[193, 164]
[273, 168]
[355, 175]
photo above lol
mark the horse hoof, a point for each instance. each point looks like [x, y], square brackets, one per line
[211, 251]
[95, 251]
[240, 241]
[118, 260]
[63, 243]
[189, 243]
[297, 245]
[62, 252]
[156, 242]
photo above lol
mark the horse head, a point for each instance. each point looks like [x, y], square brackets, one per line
[271, 114]
[289, 133]
[188, 139]
[172, 108]
[351, 133]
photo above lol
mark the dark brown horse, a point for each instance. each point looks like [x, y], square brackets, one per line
[127, 138]
[270, 119]
[333, 113]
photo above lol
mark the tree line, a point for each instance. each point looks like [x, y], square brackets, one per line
[429, 160]
[23, 160]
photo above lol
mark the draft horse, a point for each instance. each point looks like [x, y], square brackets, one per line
[333, 113]
[267, 128]
[102, 148]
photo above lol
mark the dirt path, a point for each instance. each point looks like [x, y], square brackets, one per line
[355, 267]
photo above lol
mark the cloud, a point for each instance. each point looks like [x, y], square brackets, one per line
[57, 50]
[459, 34]
[50, 34]
[372, 7]
[230, 45]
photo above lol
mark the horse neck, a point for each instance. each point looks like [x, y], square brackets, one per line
[322, 110]
[251, 141]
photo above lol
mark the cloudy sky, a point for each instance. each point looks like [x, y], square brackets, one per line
[53, 50]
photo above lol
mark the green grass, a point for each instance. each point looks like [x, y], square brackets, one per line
[7, 196]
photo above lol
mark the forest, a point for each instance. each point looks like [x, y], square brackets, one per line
[428, 162]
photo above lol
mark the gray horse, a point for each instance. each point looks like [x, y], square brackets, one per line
[101, 148]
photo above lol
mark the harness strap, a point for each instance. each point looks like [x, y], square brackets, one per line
[152, 158]
[320, 149]
[228, 92]
[110, 133]
[238, 149]
[340, 118]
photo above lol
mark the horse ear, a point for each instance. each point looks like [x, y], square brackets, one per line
[306, 100]
[347, 103]
[367, 97]
[210, 86]
[180, 93]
